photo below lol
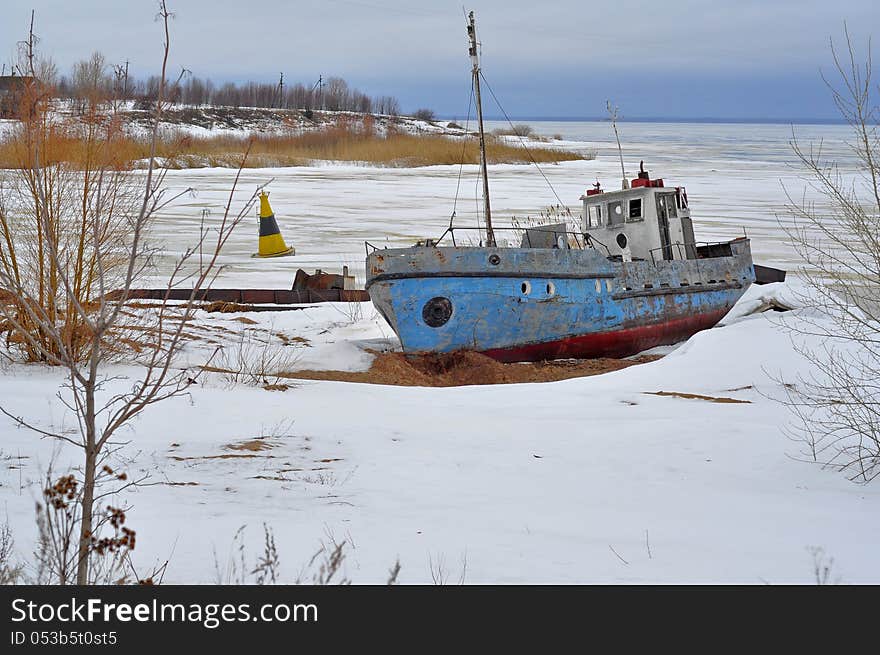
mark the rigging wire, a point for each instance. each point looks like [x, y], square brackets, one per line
[528, 152]
[464, 141]
[478, 204]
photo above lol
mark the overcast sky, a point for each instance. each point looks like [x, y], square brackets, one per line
[679, 58]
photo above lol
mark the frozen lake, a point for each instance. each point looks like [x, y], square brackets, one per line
[735, 174]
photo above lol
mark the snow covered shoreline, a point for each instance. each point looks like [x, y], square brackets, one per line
[587, 480]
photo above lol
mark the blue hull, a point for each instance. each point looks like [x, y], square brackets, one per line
[530, 304]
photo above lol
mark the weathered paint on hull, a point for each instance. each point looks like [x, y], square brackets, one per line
[616, 343]
[519, 304]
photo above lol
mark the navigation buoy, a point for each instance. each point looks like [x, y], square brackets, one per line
[271, 242]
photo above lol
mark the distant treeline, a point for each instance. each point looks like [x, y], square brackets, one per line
[94, 76]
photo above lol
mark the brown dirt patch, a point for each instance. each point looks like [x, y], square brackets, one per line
[287, 341]
[467, 368]
[227, 307]
[696, 396]
[224, 456]
[252, 445]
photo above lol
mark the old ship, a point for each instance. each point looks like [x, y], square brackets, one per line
[631, 277]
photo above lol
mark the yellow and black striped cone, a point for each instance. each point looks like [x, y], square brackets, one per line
[271, 242]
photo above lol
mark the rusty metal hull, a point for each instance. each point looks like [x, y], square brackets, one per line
[246, 296]
[526, 304]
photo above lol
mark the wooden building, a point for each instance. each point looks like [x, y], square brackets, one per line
[12, 91]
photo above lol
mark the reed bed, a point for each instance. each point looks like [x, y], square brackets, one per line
[336, 143]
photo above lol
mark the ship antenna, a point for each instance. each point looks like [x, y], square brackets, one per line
[472, 36]
[612, 112]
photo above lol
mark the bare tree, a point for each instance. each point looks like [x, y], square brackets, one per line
[90, 81]
[837, 407]
[121, 88]
[425, 114]
[70, 319]
[93, 80]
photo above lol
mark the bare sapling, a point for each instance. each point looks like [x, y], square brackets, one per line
[837, 407]
[84, 234]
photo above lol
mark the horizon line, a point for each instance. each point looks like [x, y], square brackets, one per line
[665, 119]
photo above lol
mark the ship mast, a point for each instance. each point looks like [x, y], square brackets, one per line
[472, 35]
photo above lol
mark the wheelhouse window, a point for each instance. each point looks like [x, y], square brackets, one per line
[594, 216]
[666, 204]
[635, 210]
[615, 213]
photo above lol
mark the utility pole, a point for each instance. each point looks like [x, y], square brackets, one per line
[281, 91]
[320, 86]
[472, 35]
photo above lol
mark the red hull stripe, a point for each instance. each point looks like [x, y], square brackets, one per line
[618, 343]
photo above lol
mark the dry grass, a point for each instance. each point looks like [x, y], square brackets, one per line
[696, 396]
[346, 141]
[224, 456]
[94, 142]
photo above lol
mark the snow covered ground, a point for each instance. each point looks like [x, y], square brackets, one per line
[586, 480]
[208, 121]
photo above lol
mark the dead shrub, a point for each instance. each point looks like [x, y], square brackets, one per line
[256, 359]
[65, 225]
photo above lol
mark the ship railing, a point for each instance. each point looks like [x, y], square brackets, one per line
[668, 249]
[692, 251]
[573, 240]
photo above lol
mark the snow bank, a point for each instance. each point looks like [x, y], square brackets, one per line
[514, 483]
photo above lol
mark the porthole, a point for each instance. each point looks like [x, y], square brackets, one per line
[551, 289]
[494, 260]
[437, 311]
[526, 288]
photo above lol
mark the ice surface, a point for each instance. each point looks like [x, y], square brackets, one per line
[734, 175]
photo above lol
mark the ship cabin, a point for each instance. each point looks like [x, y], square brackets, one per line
[646, 222]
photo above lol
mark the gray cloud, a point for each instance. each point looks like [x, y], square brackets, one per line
[551, 51]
